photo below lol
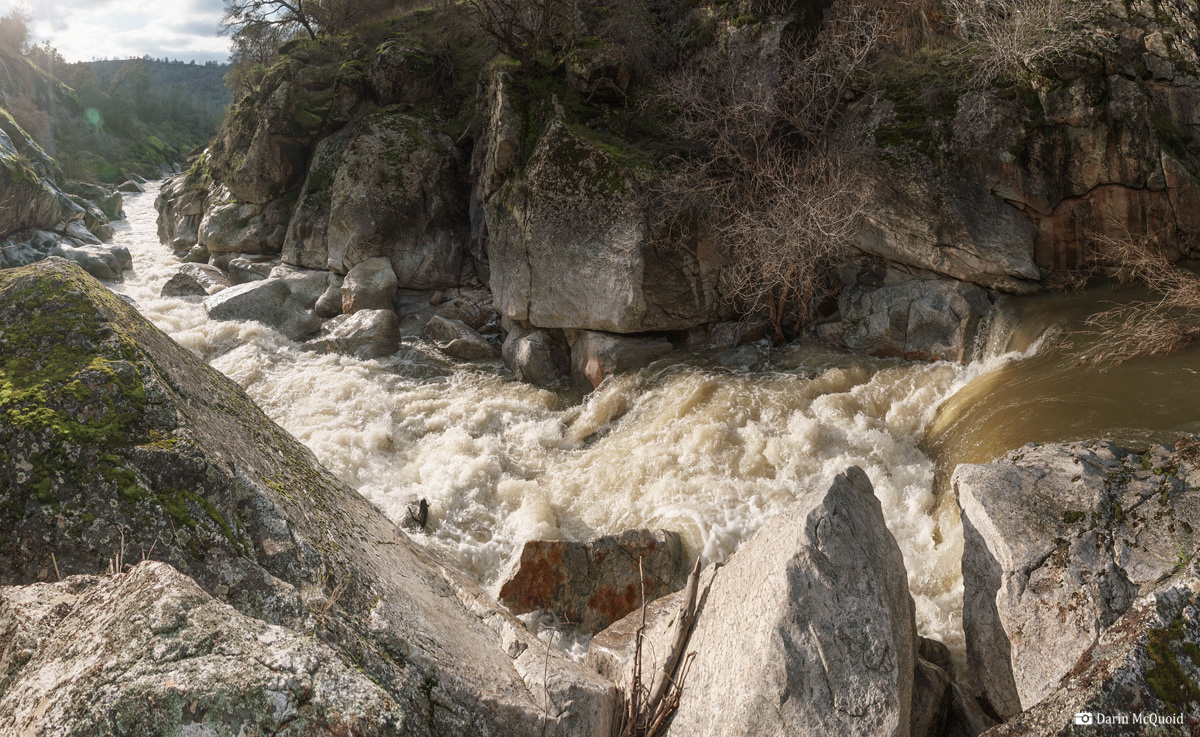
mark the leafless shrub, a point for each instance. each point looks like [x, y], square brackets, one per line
[521, 27]
[116, 564]
[1150, 327]
[1007, 38]
[649, 703]
[774, 186]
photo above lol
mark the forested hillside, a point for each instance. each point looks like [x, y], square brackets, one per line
[104, 120]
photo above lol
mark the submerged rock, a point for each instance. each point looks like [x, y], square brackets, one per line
[365, 334]
[538, 357]
[1059, 542]
[914, 316]
[119, 439]
[596, 356]
[283, 301]
[149, 652]
[386, 186]
[593, 584]
[458, 340]
[194, 280]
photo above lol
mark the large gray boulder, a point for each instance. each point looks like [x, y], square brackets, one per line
[365, 334]
[370, 285]
[28, 197]
[284, 302]
[808, 629]
[112, 205]
[149, 652]
[155, 451]
[538, 357]
[26, 247]
[570, 243]
[386, 186]
[195, 280]
[1059, 541]
[102, 262]
[229, 225]
[593, 584]
[596, 356]
[1140, 677]
[910, 315]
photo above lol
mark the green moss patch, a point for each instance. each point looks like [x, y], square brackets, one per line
[1167, 679]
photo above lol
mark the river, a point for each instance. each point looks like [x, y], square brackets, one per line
[684, 445]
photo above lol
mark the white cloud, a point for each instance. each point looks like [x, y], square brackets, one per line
[83, 30]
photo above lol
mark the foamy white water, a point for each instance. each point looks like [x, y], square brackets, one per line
[707, 452]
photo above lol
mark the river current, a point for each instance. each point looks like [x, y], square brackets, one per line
[709, 452]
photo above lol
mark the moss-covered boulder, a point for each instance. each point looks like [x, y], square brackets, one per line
[385, 186]
[1140, 677]
[114, 440]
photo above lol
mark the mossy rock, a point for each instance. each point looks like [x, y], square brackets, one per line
[116, 443]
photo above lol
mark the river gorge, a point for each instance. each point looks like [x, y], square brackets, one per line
[672, 369]
[685, 444]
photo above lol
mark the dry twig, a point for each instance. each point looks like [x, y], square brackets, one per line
[646, 711]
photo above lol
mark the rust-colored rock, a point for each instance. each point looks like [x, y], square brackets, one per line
[594, 584]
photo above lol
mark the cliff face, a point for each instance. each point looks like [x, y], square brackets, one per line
[547, 183]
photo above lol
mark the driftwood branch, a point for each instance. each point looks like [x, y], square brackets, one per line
[646, 713]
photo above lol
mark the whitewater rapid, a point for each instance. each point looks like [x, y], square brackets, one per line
[708, 452]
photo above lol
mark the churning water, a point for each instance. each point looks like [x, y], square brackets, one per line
[708, 452]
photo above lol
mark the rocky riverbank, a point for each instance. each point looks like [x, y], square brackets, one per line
[534, 222]
[120, 447]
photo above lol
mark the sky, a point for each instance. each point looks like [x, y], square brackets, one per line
[83, 30]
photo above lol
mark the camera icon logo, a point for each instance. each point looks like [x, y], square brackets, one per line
[1085, 717]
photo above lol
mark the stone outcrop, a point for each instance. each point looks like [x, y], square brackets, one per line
[593, 584]
[366, 334]
[160, 656]
[918, 316]
[262, 151]
[406, 74]
[457, 339]
[38, 219]
[1059, 542]
[998, 187]
[574, 218]
[121, 439]
[1145, 667]
[385, 186]
[232, 226]
[808, 629]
